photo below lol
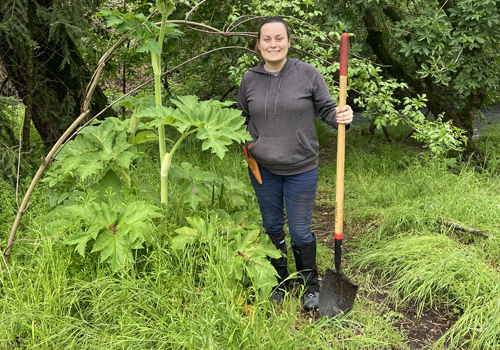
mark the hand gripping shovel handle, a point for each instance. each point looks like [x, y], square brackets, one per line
[252, 164]
[339, 195]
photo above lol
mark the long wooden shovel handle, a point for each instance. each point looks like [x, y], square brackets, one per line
[339, 185]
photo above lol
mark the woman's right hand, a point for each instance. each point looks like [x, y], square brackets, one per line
[344, 115]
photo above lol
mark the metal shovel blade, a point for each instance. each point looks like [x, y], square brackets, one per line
[337, 294]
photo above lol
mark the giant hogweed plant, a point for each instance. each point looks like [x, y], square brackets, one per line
[90, 186]
[96, 199]
[94, 206]
[208, 121]
[215, 126]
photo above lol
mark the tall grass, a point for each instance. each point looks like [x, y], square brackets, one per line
[51, 298]
[406, 196]
[396, 200]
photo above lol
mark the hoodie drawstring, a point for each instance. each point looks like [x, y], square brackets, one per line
[276, 99]
[265, 102]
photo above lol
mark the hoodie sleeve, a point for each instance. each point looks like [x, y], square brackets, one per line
[243, 102]
[324, 104]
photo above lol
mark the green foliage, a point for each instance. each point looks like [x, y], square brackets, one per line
[189, 297]
[238, 246]
[88, 160]
[194, 185]
[434, 35]
[114, 231]
[435, 269]
[217, 127]
[399, 199]
[84, 180]
[145, 32]
[91, 197]
[7, 205]
[210, 283]
[9, 155]
[440, 137]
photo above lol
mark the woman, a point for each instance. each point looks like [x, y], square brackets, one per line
[280, 99]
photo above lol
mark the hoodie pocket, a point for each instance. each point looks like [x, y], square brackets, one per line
[281, 151]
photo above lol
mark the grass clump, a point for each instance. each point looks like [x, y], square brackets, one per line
[403, 198]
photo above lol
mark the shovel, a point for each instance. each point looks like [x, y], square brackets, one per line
[337, 292]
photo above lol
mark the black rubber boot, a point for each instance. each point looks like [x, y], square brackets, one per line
[305, 261]
[280, 263]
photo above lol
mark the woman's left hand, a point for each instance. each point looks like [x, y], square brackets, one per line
[344, 115]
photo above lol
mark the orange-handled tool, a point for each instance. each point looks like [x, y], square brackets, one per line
[252, 164]
[338, 292]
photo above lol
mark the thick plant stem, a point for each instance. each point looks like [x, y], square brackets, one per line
[156, 62]
[165, 167]
[161, 129]
[166, 161]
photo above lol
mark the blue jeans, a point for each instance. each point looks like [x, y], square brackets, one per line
[296, 194]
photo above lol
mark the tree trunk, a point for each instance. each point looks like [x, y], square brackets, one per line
[30, 79]
[58, 81]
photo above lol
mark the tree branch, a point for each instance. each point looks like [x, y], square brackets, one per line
[459, 227]
[46, 161]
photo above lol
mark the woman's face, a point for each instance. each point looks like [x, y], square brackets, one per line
[273, 43]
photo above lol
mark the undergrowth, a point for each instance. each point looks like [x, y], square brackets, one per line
[406, 201]
[397, 198]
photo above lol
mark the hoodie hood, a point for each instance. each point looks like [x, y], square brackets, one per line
[287, 68]
[289, 65]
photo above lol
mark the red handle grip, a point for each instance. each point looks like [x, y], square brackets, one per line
[344, 53]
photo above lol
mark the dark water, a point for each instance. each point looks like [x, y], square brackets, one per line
[491, 116]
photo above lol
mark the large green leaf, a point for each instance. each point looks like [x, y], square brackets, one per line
[92, 217]
[186, 235]
[145, 136]
[160, 115]
[200, 229]
[194, 184]
[96, 217]
[111, 182]
[251, 251]
[136, 103]
[113, 247]
[215, 139]
[217, 127]
[95, 149]
[80, 239]
[134, 221]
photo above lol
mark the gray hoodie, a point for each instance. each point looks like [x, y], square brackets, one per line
[280, 111]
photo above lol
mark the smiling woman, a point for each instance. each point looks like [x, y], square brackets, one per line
[280, 99]
[273, 42]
